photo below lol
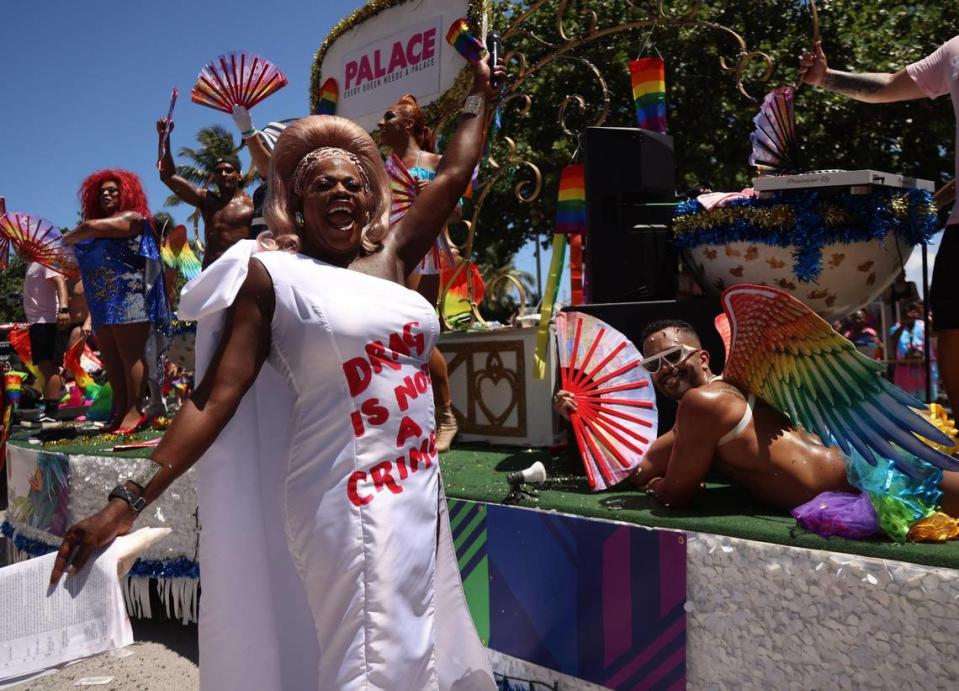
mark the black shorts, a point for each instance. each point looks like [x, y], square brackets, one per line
[47, 342]
[944, 291]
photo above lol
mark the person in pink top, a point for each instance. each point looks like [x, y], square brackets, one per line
[45, 306]
[934, 76]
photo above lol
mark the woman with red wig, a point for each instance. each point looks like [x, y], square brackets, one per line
[404, 129]
[120, 264]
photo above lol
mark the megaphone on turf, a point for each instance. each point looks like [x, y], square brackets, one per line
[534, 475]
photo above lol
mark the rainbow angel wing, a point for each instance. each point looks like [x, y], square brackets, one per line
[402, 186]
[615, 419]
[38, 240]
[793, 359]
[177, 254]
[236, 79]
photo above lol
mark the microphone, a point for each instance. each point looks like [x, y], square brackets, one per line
[534, 475]
[494, 46]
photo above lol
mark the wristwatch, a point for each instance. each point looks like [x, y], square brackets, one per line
[136, 503]
[473, 104]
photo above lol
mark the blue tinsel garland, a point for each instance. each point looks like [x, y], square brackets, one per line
[144, 568]
[871, 217]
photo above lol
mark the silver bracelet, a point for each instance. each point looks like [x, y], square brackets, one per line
[473, 104]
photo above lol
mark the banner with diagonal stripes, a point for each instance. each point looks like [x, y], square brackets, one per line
[596, 600]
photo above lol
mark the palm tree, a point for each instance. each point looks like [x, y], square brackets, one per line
[215, 142]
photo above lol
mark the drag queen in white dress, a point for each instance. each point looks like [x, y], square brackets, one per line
[326, 551]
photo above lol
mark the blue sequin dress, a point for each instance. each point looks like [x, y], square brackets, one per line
[123, 280]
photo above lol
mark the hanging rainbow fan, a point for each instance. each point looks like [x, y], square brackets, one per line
[616, 418]
[775, 149]
[402, 186]
[236, 79]
[38, 240]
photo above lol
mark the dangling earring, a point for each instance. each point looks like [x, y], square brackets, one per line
[299, 219]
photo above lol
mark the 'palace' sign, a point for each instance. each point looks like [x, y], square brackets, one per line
[384, 51]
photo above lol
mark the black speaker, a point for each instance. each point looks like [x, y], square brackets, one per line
[629, 204]
[627, 164]
[631, 319]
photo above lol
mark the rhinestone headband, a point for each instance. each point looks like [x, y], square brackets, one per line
[306, 165]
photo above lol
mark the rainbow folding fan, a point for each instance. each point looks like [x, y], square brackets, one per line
[177, 254]
[4, 240]
[402, 186]
[615, 420]
[4, 252]
[38, 240]
[775, 147]
[236, 79]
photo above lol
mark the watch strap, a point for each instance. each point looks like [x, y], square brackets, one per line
[136, 503]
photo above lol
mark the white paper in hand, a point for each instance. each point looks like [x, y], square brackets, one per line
[42, 627]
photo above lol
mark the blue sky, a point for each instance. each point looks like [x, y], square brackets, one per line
[84, 83]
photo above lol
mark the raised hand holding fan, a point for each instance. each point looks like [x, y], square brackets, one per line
[236, 79]
[615, 420]
[36, 239]
[775, 148]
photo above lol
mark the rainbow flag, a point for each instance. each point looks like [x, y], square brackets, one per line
[571, 206]
[465, 41]
[648, 76]
[329, 95]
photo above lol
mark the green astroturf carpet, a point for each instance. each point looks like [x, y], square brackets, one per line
[478, 472]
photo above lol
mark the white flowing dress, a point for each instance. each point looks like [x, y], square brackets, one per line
[327, 559]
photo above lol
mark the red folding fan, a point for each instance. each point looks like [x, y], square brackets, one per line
[403, 187]
[38, 240]
[775, 147]
[236, 79]
[615, 419]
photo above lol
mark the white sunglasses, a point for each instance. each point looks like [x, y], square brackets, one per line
[674, 355]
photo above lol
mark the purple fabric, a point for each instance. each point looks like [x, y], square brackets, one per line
[838, 513]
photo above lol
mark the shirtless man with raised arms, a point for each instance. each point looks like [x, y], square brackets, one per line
[227, 213]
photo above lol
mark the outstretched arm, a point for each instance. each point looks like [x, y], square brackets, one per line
[243, 349]
[120, 226]
[413, 236]
[181, 187]
[869, 87]
[699, 426]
